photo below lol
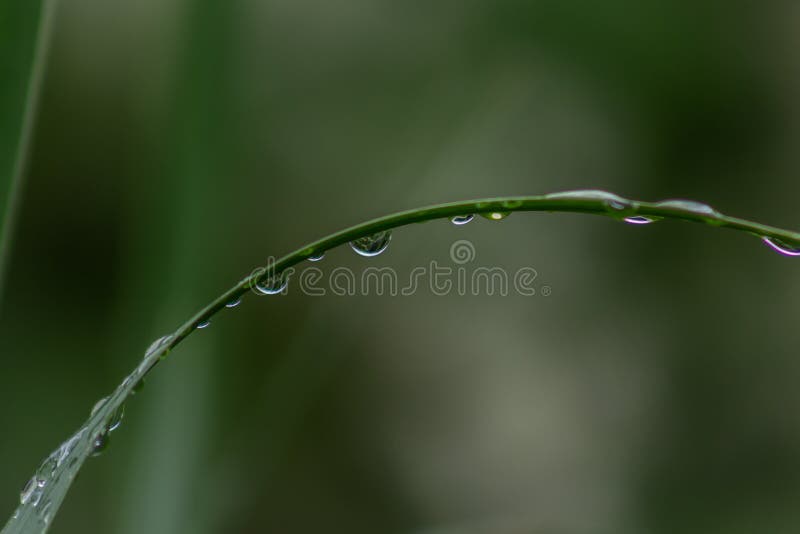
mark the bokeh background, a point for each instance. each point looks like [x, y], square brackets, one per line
[179, 143]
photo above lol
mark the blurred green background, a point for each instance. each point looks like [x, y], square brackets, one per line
[180, 143]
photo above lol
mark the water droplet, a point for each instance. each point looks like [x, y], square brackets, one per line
[97, 406]
[782, 247]
[116, 418]
[157, 345]
[100, 443]
[66, 448]
[640, 219]
[233, 303]
[612, 202]
[688, 205]
[316, 257]
[45, 471]
[588, 194]
[272, 285]
[512, 204]
[495, 215]
[203, 324]
[460, 220]
[30, 487]
[138, 386]
[33, 490]
[372, 245]
[47, 468]
[46, 512]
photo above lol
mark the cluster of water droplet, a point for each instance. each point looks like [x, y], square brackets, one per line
[63, 461]
[92, 439]
[626, 210]
[60, 461]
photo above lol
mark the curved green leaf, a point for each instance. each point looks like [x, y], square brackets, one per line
[44, 493]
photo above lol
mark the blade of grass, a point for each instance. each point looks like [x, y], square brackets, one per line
[198, 131]
[17, 140]
[50, 483]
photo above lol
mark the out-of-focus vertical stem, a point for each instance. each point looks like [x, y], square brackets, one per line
[12, 180]
[172, 446]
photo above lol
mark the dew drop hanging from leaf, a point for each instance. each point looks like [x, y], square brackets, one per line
[371, 245]
[461, 220]
[639, 220]
[495, 215]
[688, 205]
[271, 285]
[782, 247]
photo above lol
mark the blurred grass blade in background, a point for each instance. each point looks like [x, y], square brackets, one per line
[194, 179]
[25, 30]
